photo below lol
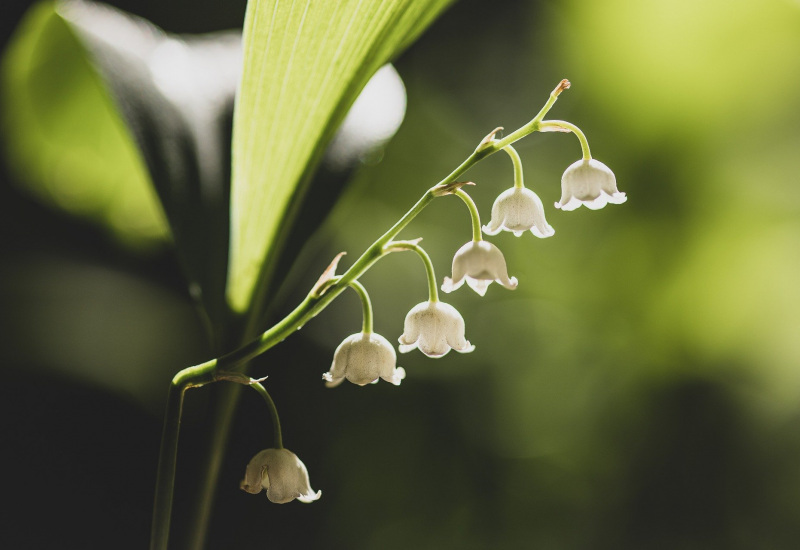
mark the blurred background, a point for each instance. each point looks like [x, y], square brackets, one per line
[640, 389]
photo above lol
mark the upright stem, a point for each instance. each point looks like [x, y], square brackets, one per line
[168, 453]
[473, 213]
[165, 478]
[517, 162]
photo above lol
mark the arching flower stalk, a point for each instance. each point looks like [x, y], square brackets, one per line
[478, 263]
[433, 327]
[586, 182]
[364, 357]
[518, 209]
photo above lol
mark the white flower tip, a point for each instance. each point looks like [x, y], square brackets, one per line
[469, 348]
[405, 348]
[398, 376]
[511, 284]
[310, 497]
[491, 231]
[548, 232]
[330, 381]
[478, 285]
[449, 286]
[569, 206]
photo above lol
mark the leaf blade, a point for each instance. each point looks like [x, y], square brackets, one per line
[291, 100]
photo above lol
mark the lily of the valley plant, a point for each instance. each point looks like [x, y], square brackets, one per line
[432, 326]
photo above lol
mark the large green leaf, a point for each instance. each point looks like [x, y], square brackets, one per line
[116, 119]
[305, 62]
[65, 138]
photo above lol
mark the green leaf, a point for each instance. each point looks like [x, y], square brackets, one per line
[65, 138]
[104, 111]
[304, 64]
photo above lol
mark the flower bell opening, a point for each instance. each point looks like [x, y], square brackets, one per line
[479, 263]
[434, 328]
[363, 358]
[281, 474]
[518, 210]
[590, 183]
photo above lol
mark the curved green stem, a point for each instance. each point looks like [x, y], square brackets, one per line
[433, 289]
[168, 454]
[517, 162]
[533, 125]
[273, 411]
[473, 213]
[587, 155]
[306, 310]
[366, 306]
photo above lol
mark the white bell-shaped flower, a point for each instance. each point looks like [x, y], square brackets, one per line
[591, 183]
[281, 474]
[517, 210]
[362, 358]
[479, 263]
[434, 328]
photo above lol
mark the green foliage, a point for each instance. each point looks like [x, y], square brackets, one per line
[66, 139]
[113, 118]
[304, 65]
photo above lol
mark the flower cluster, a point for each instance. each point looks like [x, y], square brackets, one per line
[432, 326]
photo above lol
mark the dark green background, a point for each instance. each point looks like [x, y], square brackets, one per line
[640, 389]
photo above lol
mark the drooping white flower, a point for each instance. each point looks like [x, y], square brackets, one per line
[517, 210]
[479, 263]
[434, 328]
[281, 474]
[590, 183]
[362, 358]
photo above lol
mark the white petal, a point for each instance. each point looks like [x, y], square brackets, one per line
[449, 286]
[311, 497]
[478, 285]
[282, 474]
[405, 348]
[363, 358]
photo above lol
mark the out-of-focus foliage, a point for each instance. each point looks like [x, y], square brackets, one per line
[82, 78]
[638, 390]
[633, 382]
[304, 65]
[65, 136]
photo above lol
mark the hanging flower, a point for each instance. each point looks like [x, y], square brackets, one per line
[281, 474]
[434, 328]
[479, 263]
[517, 210]
[362, 358]
[591, 183]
